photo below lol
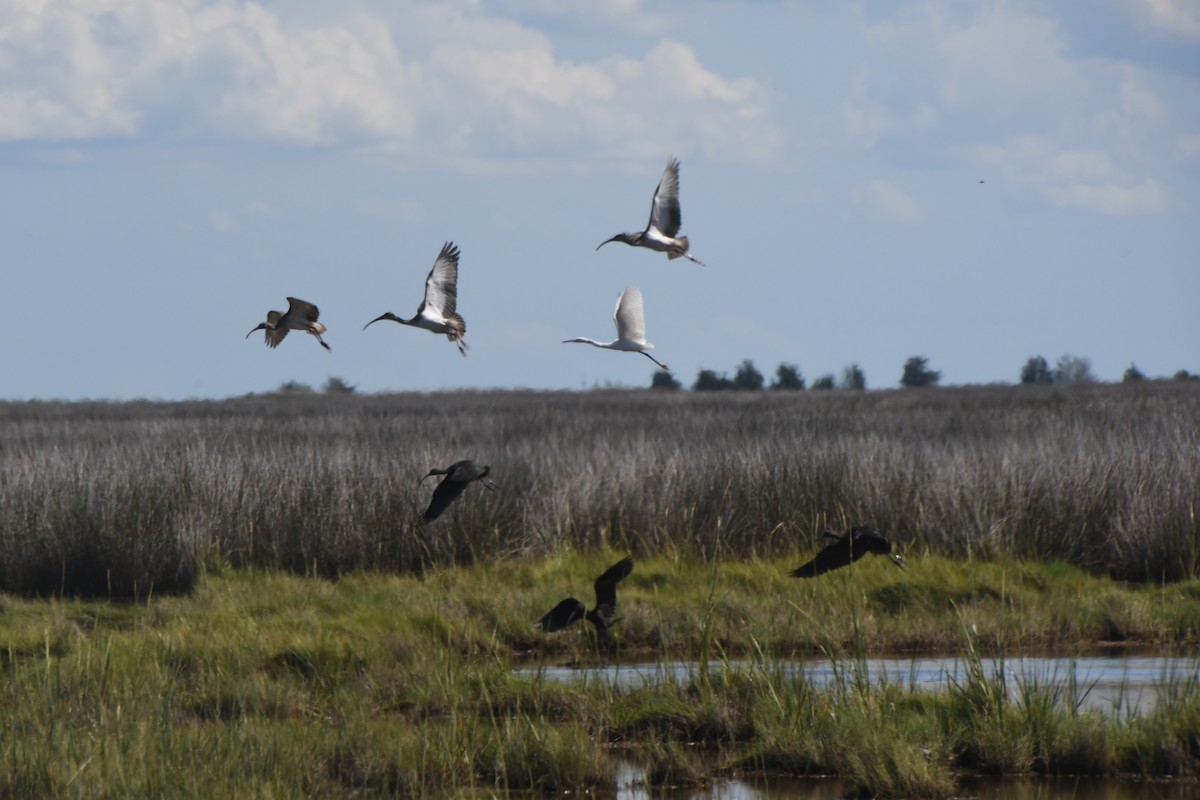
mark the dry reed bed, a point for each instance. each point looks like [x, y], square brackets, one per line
[125, 499]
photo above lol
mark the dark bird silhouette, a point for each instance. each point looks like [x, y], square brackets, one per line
[571, 610]
[438, 310]
[300, 316]
[848, 548]
[665, 220]
[458, 475]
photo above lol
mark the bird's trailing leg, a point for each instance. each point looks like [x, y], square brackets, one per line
[655, 360]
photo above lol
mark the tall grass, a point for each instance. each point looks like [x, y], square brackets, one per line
[128, 499]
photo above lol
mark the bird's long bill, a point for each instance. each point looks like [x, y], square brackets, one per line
[606, 241]
[257, 327]
[384, 315]
[431, 473]
[898, 560]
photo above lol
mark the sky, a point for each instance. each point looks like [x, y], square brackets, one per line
[967, 181]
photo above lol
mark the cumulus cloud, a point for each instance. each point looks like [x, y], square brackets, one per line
[1188, 144]
[1148, 196]
[1083, 178]
[473, 85]
[863, 119]
[1080, 128]
[1179, 18]
[890, 202]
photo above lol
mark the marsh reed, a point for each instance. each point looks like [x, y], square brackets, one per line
[128, 499]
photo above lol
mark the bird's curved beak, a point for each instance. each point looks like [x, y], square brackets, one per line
[258, 327]
[431, 472]
[606, 241]
[898, 560]
[385, 315]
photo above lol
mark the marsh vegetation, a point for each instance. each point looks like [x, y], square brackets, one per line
[269, 684]
[236, 598]
[122, 500]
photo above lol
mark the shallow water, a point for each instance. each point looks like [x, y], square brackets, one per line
[629, 787]
[1111, 684]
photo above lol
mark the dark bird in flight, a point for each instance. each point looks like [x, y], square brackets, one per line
[300, 316]
[571, 610]
[458, 475]
[437, 312]
[848, 548]
[665, 220]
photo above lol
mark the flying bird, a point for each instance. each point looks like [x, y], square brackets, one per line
[630, 318]
[458, 475]
[570, 611]
[847, 548]
[300, 316]
[665, 220]
[437, 311]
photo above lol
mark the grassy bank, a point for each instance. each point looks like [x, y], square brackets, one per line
[124, 500]
[272, 684]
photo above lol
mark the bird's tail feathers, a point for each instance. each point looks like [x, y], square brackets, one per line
[683, 248]
[460, 330]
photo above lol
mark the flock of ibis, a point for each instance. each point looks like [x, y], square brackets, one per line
[438, 313]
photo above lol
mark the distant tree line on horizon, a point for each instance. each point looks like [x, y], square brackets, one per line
[916, 373]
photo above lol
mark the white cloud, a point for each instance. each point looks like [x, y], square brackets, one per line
[1188, 144]
[863, 119]
[1146, 197]
[1082, 178]
[892, 203]
[485, 87]
[1176, 17]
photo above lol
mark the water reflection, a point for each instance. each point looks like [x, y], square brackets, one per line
[630, 786]
[1112, 684]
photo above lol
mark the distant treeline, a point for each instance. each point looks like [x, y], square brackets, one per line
[916, 373]
[126, 499]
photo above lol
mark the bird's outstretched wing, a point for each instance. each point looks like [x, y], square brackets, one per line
[562, 615]
[664, 211]
[467, 471]
[606, 587]
[445, 494]
[835, 555]
[272, 334]
[302, 309]
[630, 315]
[441, 287]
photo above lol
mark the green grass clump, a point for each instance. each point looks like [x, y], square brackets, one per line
[267, 684]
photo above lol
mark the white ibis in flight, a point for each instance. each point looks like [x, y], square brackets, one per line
[630, 318]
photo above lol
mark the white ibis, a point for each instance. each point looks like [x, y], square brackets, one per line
[630, 318]
[570, 611]
[665, 220]
[847, 548]
[458, 475]
[300, 316]
[437, 311]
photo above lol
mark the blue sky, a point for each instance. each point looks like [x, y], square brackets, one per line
[171, 171]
